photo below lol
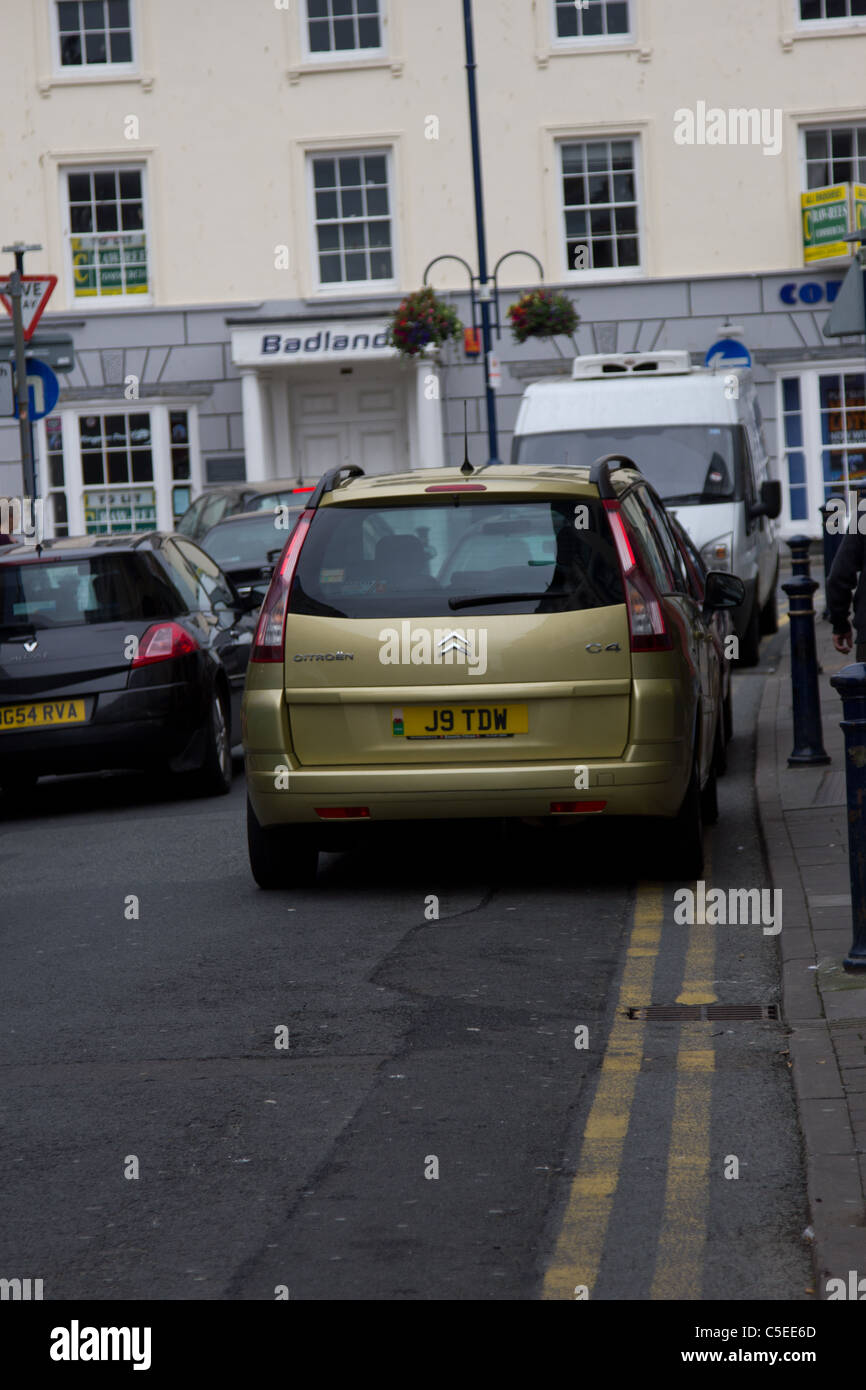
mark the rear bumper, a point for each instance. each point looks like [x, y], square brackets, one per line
[648, 781]
[129, 728]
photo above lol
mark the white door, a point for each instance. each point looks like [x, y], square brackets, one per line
[353, 418]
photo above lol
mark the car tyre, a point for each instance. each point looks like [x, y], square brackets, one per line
[720, 747]
[728, 717]
[770, 613]
[18, 785]
[750, 642]
[214, 777]
[281, 856]
[682, 840]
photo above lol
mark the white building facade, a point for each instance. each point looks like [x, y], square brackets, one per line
[235, 197]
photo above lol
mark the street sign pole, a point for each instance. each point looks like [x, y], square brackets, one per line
[15, 292]
[485, 292]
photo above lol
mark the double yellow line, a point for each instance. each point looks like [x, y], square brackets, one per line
[576, 1261]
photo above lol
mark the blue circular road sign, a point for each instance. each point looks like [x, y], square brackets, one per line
[43, 389]
[727, 352]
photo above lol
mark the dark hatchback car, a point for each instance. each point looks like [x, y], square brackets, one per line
[246, 546]
[119, 652]
[219, 502]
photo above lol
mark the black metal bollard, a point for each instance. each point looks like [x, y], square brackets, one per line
[799, 547]
[808, 735]
[851, 685]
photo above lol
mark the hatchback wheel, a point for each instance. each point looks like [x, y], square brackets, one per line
[682, 840]
[214, 777]
[281, 856]
[728, 716]
[750, 643]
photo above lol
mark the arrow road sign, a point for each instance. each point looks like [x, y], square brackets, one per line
[7, 395]
[727, 352]
[847, 314]
[36, 292]
[43, 389]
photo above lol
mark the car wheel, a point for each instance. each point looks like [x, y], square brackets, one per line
[281, 856]
[750, 642]
[710, 793]
[728, 716]
[720, 747]
[214, 777]
[770, 614]
[682, 840]
[17, 785]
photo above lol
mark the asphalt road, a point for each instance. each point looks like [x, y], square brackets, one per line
[141, 1037]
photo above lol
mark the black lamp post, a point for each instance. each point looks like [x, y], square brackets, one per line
[481, 289]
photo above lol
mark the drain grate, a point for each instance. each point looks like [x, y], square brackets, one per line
[729, 1013]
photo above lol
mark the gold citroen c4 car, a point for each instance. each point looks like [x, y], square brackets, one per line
[517, 641]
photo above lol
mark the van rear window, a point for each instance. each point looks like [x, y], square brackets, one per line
[445, 557]
[683, 463]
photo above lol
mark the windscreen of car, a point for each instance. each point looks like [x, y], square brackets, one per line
[98, 589]
[242, 543]
[453, 557]
[684, 463]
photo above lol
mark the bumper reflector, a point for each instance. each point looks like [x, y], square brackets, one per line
[572, 808]
[343, 812]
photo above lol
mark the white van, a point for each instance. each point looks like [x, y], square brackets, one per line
[696, 435]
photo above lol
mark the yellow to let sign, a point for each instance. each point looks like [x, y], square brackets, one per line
[825, 214]
[53, 712]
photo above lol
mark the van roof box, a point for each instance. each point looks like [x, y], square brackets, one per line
[614, 364]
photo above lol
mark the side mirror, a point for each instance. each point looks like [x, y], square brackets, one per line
[771, 496]
[723, 590]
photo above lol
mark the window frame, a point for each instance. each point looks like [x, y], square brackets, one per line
[812, 447]
[341, 56]
[162, 483]
[100, 302]
[805, 128]
[346, 288]
[87, 72]
[838, 23]
[593, 42]
[595, 275]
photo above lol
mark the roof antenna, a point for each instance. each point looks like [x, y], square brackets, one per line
[466, 466]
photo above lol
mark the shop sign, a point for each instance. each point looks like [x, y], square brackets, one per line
[113, 510]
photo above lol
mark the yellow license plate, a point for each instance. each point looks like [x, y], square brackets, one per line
[460, 721]
[47, 712]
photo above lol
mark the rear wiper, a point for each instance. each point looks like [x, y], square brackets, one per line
[479, 599]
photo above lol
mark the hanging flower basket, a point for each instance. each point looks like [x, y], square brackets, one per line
[422, 321]
[542, 314]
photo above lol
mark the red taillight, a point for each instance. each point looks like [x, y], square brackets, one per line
[343, 812]
[573, 808]
[163, 642]
[304, 489]
[268, 641]
[646, 619]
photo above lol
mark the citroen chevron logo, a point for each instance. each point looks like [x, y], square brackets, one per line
[422, 646]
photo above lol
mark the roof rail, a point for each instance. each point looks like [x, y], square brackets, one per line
[600, 472]
[329, 481]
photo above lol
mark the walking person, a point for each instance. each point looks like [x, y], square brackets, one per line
[847, 581]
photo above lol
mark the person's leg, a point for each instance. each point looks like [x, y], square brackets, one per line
[860, 651]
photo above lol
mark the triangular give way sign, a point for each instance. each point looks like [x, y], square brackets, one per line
[37, 290]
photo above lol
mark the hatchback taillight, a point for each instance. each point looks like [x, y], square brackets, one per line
[163, 642]
[268, 641]
[646, 619]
